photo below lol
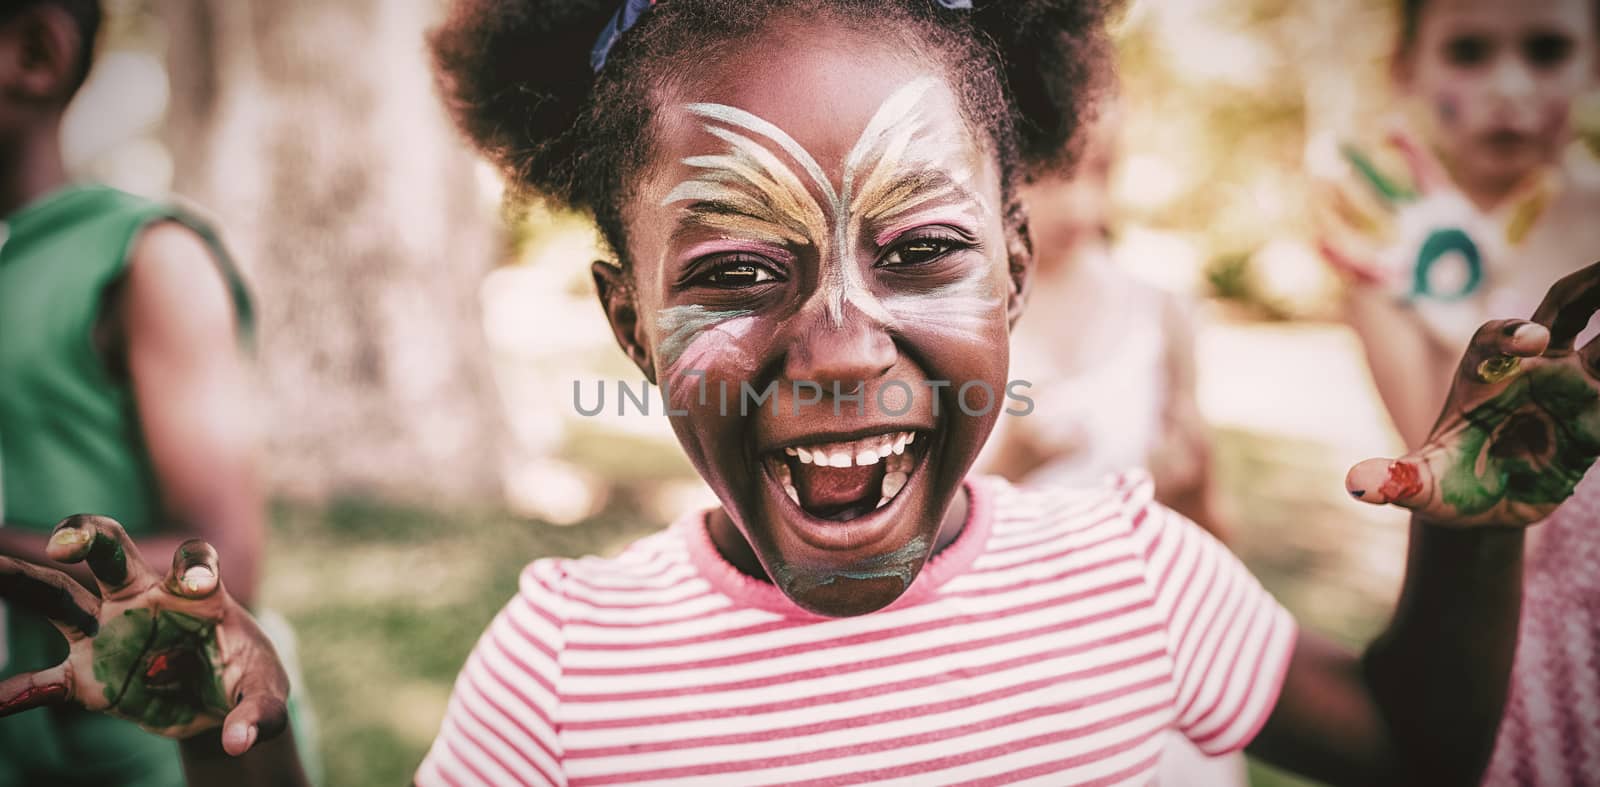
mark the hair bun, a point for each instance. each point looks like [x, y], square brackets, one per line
[1055, 55]
[515, 76]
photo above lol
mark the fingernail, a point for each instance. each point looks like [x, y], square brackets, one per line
[70, 537]
[197, 578]
[1527, 332]
[242, 736]
[1498, 368]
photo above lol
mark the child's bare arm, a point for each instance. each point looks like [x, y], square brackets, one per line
[190, 384]
[174, 327]
[1180, 463]
[1424, 704]
[1411, 369]
[272, 763]
[1520, 429]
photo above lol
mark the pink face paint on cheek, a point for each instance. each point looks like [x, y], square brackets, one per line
[1447, 107]
[716, 353]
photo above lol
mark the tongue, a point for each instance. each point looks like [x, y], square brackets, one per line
[829, 490]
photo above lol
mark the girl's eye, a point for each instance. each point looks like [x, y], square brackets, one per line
[733, 275]
[1468, 50]
[1547, 50]
[920, 250]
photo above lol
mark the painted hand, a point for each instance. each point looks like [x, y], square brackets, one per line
[175, 654]
[1520, 429]
[1395, 222]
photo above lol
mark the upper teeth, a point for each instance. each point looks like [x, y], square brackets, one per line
[866, 451]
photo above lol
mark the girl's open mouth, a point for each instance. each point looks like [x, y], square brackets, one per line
[845, 480]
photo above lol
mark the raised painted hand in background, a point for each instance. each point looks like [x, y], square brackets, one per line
[1395, 221]
[1521, 426]
[175, 654]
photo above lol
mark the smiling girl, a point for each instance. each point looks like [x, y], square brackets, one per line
[825, 192]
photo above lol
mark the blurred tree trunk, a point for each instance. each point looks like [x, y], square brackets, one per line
[312, 131]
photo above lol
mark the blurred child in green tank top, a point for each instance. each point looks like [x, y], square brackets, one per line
[122, 385]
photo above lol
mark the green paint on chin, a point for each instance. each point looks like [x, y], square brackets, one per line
[159, 669]
[898, 564]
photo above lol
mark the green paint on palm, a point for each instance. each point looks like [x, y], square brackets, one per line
[1531, 444]
[159, 669]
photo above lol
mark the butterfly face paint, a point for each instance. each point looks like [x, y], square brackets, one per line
[893, 169]
[819, 237]
[892, 177]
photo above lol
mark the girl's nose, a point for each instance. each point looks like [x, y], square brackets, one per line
[856, 351]
[1511, 79]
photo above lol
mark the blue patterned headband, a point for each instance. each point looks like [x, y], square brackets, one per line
[633, 10]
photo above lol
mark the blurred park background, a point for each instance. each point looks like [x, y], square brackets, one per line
[420, 336]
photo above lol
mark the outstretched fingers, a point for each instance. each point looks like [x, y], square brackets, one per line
[1590, 355]
[1426, 171]
[102, 543]
[34, 689]
[66, 604]
[1568, 307]
[1497, 349]
[194, 572]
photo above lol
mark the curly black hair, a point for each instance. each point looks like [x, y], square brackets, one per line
[516, 76]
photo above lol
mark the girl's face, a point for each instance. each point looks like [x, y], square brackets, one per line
[819, 266]
[1499, 78]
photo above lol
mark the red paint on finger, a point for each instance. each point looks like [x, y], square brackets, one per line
[1343, 264]
[33, 697]
[1403, 483]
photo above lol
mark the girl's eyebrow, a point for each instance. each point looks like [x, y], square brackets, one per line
[950, 213]
[725, 216]
[726, 244]
[911, 190]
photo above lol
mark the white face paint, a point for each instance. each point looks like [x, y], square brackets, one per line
[899, 169]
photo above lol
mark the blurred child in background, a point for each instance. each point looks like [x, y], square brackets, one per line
[1110, 362]
[122, 386]
[1482, 190]
[1110, 359]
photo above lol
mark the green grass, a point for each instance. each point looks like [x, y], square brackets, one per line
[386, 603]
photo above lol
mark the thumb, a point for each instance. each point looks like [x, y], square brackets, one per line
[194, 571]
[1381, 481]
[255, 718]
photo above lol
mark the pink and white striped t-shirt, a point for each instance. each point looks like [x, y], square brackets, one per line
[1053, 642]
